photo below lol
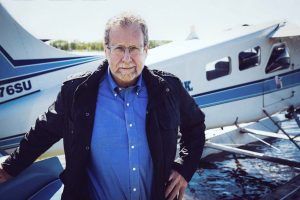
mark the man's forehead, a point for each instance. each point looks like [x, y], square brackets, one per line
[131, 33]
[128, 27]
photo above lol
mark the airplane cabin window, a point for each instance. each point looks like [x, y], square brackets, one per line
[279, 59]
[218, 68]
[249, 58]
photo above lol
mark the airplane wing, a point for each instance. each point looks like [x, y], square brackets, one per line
[286, 30]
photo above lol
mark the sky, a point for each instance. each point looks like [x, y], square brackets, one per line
[84, 20]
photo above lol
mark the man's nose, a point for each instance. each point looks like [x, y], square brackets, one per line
[126, 56]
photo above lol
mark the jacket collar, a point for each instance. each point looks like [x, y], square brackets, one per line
[91, 83]
[155, 84]
[152, 81]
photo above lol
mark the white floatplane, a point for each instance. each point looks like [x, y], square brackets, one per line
[244, 75]
[235, 78]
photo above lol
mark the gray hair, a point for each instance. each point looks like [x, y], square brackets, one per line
[124, 20]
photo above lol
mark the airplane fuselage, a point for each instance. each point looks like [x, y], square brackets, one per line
[232, 78]
[243, 88]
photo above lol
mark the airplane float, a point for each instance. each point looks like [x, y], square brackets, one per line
[245, 75]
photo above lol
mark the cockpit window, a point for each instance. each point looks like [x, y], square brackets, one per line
[249, 58]
[279, 59]
[218, 68]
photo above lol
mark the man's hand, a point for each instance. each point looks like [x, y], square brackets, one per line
[4, 176]
[177, 185]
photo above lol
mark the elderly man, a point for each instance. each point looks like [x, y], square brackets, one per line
[119, 125]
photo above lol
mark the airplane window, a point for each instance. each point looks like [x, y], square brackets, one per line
[249, 58]
[218, 68]
[279, 59]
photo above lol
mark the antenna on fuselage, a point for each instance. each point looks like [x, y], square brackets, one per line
[193, 35]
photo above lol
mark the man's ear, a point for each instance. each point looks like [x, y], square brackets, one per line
[146, 49]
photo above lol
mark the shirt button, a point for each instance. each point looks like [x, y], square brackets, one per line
[134, 189]
[167, 90]
[137, 93]
[72, 131]
[134, 169]
[132, 147]
[115, 94]
[87, 114]
[87, 148]
[130, 125]
[127, 104]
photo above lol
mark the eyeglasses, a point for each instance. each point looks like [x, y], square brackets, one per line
[119, 50]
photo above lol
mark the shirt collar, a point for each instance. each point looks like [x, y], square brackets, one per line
[115, 88]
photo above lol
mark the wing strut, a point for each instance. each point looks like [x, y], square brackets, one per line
[253, 154]
[287, 135]
[252, 134]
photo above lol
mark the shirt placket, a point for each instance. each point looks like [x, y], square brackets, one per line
[133, 143]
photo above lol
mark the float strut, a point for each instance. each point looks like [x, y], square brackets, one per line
[291, 139]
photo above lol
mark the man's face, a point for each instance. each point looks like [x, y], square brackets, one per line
[126, 54]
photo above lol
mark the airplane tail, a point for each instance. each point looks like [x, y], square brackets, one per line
[22, 54]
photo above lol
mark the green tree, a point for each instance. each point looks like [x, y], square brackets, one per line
[93, 46]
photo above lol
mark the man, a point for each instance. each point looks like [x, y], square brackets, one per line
[120, 126]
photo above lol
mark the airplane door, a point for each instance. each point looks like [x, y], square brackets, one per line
[275, 94]
[277, 91]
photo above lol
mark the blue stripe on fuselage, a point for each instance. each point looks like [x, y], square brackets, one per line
[34, 67]
[22, 62]
[247, 90]
[9, 72]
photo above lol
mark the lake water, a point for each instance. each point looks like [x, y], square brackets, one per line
[228, 176]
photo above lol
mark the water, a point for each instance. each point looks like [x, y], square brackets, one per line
[228, 176]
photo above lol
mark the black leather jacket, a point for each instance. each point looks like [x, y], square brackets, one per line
[71, 117]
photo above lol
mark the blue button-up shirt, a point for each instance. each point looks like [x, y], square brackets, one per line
[121, 165]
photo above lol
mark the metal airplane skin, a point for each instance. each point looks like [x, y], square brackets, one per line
[244, 75]
[232, 78]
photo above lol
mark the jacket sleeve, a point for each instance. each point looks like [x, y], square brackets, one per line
[47, 131]
[192, 139]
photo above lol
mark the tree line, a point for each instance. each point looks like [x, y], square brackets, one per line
[93, 46]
